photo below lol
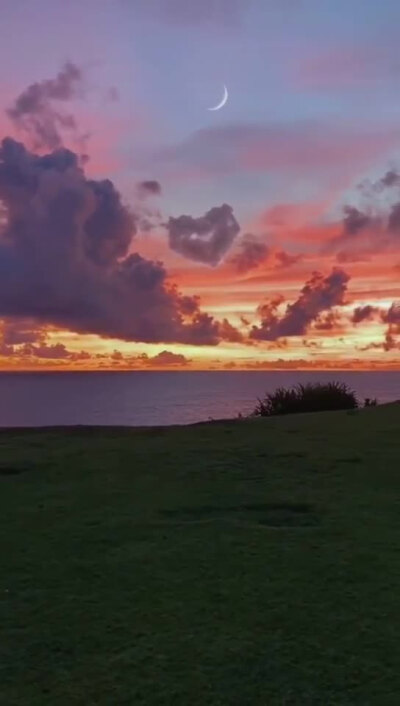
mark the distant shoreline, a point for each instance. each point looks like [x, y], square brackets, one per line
[98, 428]
[202, 370]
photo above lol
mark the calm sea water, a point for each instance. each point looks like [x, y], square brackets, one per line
[147, 398]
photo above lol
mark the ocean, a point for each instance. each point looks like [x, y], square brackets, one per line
[139, 398]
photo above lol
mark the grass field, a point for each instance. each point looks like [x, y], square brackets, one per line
[238, 563]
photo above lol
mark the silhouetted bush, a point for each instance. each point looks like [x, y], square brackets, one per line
[313, 397]
[370, 403]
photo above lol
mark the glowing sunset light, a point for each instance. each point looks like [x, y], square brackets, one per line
[138, 231]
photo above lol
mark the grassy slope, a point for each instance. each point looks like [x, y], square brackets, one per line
[133, 573]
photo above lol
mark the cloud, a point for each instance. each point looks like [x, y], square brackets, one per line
[344, 67]
[364, 313]
[21, 339]
[228, 149]
[394, 219]
[308, 343]
[357, 233]
[374, 229]
[166, 359]
[229, 333]
[34, 114]
[291, 216]
[150, 187]
[148, 217]
[387, 184]
[285, 260]
[329, 321]
[205, 239]
[391, 340]
[392, 315]
[64, 256]
[391, 178]
[324, 364]
[344, 256]
[269, 318]
[251, 253]
[54, 351]
[16, 332]
[318, 295]
[354, 220]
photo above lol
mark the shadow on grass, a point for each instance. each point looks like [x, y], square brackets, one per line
[13, 470]
[269, 514]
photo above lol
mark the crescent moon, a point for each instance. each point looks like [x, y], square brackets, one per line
[222, 102]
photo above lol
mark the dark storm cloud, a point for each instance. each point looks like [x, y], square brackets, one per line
[64, 256]
[205, 239]
[318, 295]
[34, 113]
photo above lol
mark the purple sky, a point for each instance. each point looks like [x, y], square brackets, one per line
[294, 68]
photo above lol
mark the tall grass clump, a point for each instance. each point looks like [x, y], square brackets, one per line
[312, 397]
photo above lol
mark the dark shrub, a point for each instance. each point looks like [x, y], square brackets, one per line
[370, 403]
[312, 397]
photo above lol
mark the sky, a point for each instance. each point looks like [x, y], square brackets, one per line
[141, 230]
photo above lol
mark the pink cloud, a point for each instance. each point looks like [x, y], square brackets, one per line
[317, 148]
[341, 67]
[293, 215]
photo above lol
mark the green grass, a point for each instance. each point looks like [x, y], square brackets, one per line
[239, 563]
